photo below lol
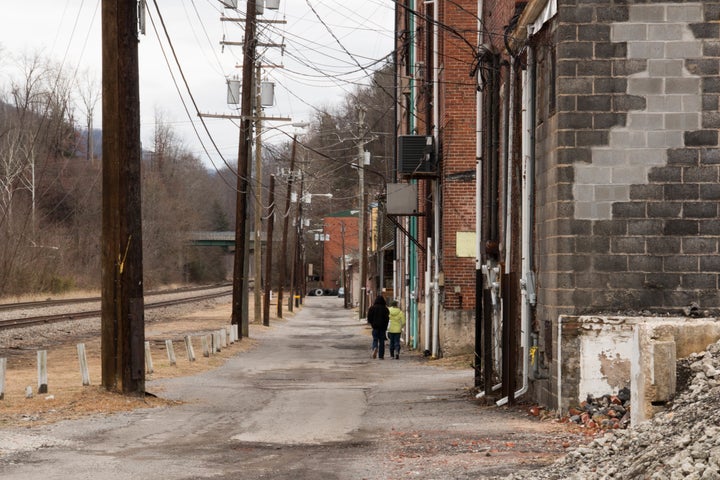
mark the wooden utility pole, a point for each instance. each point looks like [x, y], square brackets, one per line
[286, 220]
[361, 216]
[240, 270]
[257, 241]
[268, 251]
[123, 312]
[295, 271]
[344, 267]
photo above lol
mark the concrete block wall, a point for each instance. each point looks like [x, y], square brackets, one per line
[628, 165]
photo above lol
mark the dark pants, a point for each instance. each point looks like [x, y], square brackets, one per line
[394, 343]
[379, 342]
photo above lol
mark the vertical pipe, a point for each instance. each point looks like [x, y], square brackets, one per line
[436, 277]
[478, 208]
[526, 215]
[509, 162]
[426, 316]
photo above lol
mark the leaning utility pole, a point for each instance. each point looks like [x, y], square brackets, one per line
[123, 312]
[240, 270]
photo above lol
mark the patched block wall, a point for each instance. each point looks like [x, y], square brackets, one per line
[629, 219]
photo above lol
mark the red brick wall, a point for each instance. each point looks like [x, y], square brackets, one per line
[334, 248]
[457, 137]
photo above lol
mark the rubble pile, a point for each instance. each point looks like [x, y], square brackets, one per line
[605, 412]
[682, 442]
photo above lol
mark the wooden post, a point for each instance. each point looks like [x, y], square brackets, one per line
[82, 358]
[189, 348]
[42, 371]
[123, 323]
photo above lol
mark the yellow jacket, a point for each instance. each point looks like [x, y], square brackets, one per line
[397, 320]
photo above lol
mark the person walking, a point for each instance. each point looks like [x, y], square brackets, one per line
[397, 322]
[378, 317]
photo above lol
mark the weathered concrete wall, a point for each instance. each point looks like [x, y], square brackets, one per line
[457, 329]
[602, 354]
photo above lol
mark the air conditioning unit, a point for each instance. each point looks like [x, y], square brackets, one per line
[416, 155]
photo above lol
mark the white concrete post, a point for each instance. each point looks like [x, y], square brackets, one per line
[205, 345]
[3, 366]
[170, 352]
[42, 371]
[223, 338]
[189, 348]
[216, 342]
[148, 358]
[229, 334]
[84, 371]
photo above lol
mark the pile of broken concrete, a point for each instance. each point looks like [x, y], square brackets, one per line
[681, 442]
[605, 412]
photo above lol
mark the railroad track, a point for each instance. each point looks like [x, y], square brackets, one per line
[45, 319]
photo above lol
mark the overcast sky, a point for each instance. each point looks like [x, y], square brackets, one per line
[330, 46]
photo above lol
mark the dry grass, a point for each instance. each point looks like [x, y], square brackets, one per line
[456, 362]
[67, 398]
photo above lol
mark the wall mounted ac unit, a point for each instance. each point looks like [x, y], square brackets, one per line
[416, 155]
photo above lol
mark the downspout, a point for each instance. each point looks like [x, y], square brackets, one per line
[436, 193]
[411, 257]
[509, 153]
[527, 281]
[478, 208]
[526, 284]
[426, 313]
[436, 279]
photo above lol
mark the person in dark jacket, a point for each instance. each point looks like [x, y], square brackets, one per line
[378, 317]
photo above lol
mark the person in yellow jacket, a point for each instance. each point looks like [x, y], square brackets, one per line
[397, 322]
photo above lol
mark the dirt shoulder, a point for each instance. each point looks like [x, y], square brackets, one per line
[67, 398]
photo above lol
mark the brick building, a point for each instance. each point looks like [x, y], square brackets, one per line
[341, 229]
[576, 149]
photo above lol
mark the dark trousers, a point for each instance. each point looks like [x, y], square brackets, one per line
[394, 343]
[379, 341]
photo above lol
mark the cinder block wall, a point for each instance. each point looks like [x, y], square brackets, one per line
[629, 163]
